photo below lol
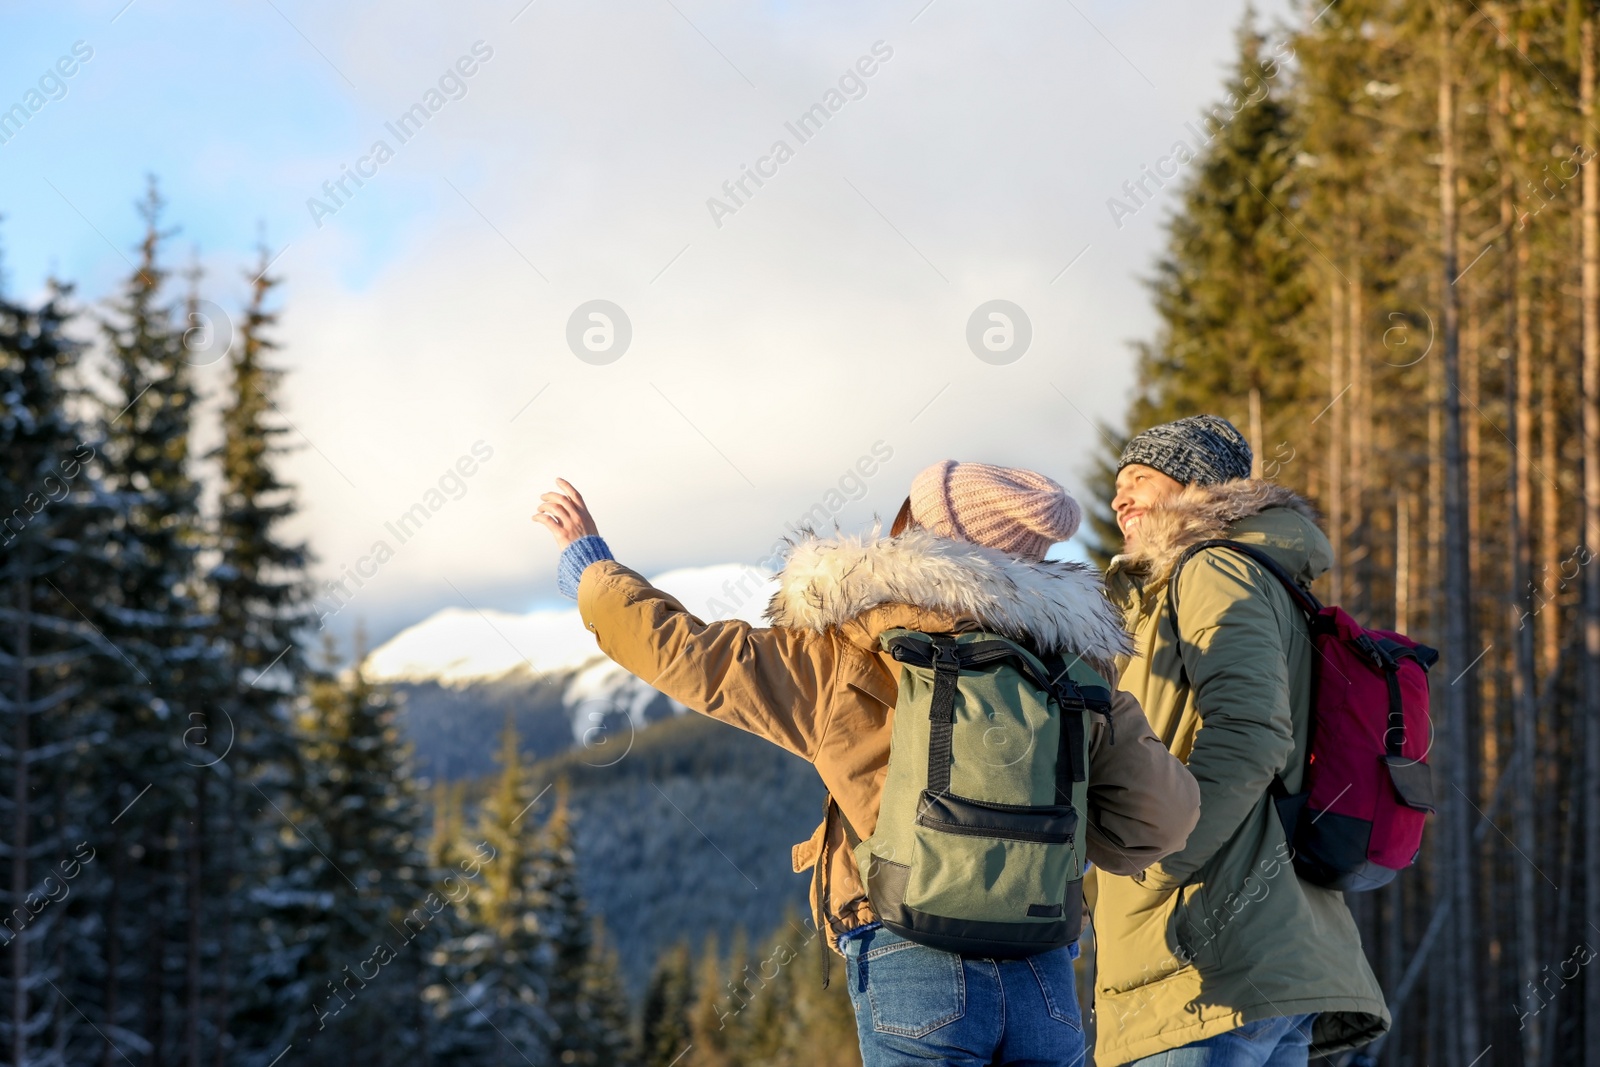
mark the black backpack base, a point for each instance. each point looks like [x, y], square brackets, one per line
[1330, 850]
[968, 937]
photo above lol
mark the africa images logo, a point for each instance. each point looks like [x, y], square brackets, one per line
[999, 332]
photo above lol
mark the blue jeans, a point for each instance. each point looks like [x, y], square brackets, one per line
[1280, 1042]
[918, 1005]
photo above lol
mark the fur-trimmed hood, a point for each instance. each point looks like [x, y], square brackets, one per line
[1201, 512]
[1059, 605]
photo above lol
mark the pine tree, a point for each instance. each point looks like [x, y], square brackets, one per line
[765, 1020]
[609, 1007]
[765, 1008]
[259, 586]
[664, 1030]
[743, 991]
[714, 1011]
[820, 1028]
[1231, 288]
[48, 566]
[260, 582]
[588, 1009]
[448, 798]
[167, 678]
[345, 927]
[570, 936]
[1231, 285]
[492, 978]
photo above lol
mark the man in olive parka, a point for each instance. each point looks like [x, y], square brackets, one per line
[1220, 954]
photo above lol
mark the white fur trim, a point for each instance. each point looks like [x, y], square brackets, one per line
[1059, 605]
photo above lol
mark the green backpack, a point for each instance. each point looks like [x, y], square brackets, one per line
[978, 847]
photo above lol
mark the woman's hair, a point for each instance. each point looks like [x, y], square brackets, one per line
[902, 521]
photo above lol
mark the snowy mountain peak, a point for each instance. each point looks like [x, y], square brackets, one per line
[460, 646]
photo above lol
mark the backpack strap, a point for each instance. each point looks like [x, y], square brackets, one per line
[1388, 654]
[942, 712]
[1071, 759]
[948, 659]
[1302, 597]
[1394, 736]
[1309, 605]
[1073, 699]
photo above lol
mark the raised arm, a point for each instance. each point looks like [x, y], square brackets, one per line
[776, 683]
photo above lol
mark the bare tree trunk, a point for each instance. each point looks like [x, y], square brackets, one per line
[223, 1008]
[1441, 1005]
[1472, 431]
[1519, 498]
[1402, 562]
[1436, 894]
[1564, 872]
[20, 814]
[1335, 493]
[1458, 652]
[1393, 958]
[62, 1025]
[1591, 540]
[158, 884]
[1256, 443]
[1359, 431]
[113, 933]
[196, 906]
[1549, 505]
[1392, 902]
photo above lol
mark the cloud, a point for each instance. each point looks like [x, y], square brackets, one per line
[767, 354]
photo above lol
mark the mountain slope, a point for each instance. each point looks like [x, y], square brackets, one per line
[683, 825]
[688, 834]
[462, 672]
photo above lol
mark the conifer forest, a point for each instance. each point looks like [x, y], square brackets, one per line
[216, 848]
[1387, 265]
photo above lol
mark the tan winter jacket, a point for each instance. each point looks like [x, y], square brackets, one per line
[817, 684]
[1223, 933]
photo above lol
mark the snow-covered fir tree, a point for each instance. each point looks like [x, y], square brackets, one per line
[50, 720]
[664, 1026]
[346, 926]
[587, 1006]
[491, 989]
[259, 589]
[164, 687]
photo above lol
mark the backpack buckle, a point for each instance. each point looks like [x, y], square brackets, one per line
[1068, 695]
[945, 655]
[1377, 653]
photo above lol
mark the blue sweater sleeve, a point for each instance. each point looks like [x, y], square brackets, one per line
[576, 558]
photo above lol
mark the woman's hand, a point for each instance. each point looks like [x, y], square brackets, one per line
[565, 515]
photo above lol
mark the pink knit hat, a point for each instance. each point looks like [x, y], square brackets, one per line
[1017, 511]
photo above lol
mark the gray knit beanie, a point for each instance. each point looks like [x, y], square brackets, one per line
[1199, 450]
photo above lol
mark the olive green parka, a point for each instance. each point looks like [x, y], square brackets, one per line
[1222, 932]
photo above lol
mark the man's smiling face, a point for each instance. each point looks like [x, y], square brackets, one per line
[1139, 488]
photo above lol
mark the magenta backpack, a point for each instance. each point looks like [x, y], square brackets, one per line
[1367, 791]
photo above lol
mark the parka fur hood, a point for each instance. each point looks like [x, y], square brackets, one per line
[1059, 605]
[1202, 512]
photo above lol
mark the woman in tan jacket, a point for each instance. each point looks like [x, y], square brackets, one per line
[965, 553]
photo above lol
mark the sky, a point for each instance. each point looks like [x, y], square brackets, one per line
[719, 265]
